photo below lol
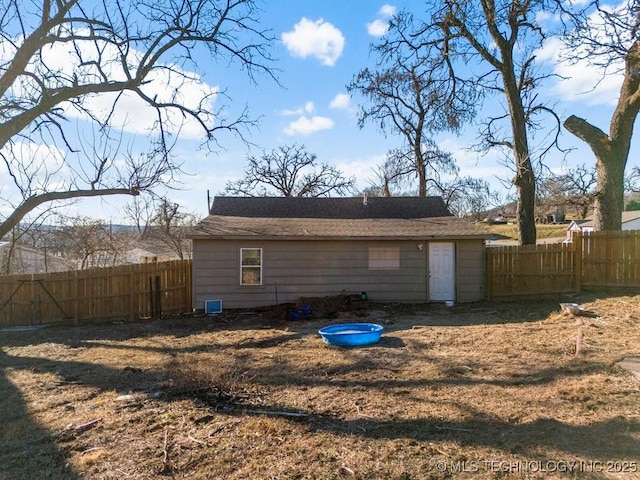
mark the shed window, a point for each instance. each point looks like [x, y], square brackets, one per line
[250, 266]
[384, 258]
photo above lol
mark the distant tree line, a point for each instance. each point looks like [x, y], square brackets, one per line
[155, 225]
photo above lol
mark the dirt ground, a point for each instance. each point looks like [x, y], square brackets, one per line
[473, 391]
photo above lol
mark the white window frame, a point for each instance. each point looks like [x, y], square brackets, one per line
[242, 267]
[384, 258]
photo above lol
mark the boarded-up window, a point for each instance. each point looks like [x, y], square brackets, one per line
[384, 258]
[250, 266]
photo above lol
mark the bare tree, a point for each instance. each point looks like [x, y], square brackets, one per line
[31, 235]
[608, 38]
[465, 196]
[169, 227]
[90, 243]
[289, 171]
[141, 211]
[114, 50]
[473, 50]
[404, 98]
[574, 189]
[632, 181]
[394, 172]
[7, 254]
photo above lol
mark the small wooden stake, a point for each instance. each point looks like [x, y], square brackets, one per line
[579, 341]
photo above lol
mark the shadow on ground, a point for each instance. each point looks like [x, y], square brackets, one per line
[26, 449]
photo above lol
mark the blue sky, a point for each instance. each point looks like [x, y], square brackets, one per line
[319, 46]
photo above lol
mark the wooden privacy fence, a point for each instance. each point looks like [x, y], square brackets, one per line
[123, 292]
[521, 271]
[592, 260]
[610, 259]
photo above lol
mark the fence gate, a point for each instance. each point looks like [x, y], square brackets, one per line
[125, 292]
[28, 302]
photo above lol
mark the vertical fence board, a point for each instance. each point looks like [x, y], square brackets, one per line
[593, 260]
[529, 270]
[100, 294]
[611, 259]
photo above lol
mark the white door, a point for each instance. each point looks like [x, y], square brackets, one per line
[442, 271]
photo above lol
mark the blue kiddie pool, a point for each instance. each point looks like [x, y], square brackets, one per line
[351, 334]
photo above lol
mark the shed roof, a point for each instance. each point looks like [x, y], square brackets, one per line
[399, 218]
[329, 207]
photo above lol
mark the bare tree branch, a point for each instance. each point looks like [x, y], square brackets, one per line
[115, 50]
[464, 52]
[289, 171]
[605, 37]
[35, 201]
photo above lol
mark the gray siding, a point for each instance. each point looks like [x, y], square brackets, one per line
[315, 268]
[470, 271]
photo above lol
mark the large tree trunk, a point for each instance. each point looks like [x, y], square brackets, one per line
[525, 180]
[609, 201]
[420, 164]
[611, 160]
[612, 150]
[422, 184]
[525, 212]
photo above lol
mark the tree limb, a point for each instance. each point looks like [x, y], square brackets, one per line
[35, 201]
[590, 134]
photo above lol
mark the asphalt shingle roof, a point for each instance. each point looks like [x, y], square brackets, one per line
[333, 218]
[328, 207]
[218, 226]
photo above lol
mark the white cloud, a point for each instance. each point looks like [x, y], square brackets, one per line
[472, 163]
[132, 114]
[341, 100]
[317, 39]
[580, 81]
[387, 10]
[308, 125]
[542, 16]
[290, 113]
[361, 168]
[308, 107]
[377, 28]
[137, 116]
[40, 166]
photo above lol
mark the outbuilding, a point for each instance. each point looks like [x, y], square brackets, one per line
[628, 221]
[259, 251]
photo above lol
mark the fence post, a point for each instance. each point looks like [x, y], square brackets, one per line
[576, 243]
[158, 297]
[189, 287]
[132, 296]
[151, 299]
[489, 275]
[76, 307]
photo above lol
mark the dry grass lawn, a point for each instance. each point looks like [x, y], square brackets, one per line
[543, 231]
[475, 391]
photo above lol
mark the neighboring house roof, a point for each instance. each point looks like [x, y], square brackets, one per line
[580, 224]
[25, 260]
[588, 222]
[630, 216]
[333, 218]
